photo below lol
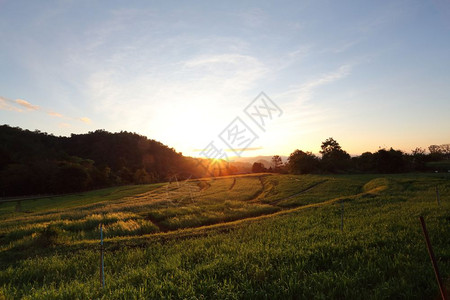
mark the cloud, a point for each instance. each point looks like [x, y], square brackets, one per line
[54, 114]
[306, 115]
[27, 104]
[227, 72]
[304, 91]
[201, 92]
[85, 120]
[7, 104]
[11, 105]
[342, 72]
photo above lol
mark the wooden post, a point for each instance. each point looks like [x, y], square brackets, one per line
[433, 259]
[437, 196]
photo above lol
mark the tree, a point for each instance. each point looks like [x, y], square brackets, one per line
[333, 157]
[329, 146]
[435, 152]
[418, 159]
[276, 163]
[72, 178]
[258, 168]
[445, 149]
[434, 149]
[391, 161]
[141, 176]
[300, 162]
[365, 162]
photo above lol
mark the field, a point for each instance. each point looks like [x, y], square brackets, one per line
[256, 236]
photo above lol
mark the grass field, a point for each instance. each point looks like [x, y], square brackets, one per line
[246, 237]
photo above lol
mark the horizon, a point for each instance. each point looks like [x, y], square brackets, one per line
[234, 158]
[371, 76]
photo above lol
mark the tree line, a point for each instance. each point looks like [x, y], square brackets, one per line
[336, 160]
[34, 162]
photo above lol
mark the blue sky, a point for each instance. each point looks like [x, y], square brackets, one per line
[368, 74]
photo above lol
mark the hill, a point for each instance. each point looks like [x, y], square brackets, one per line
[33, 162]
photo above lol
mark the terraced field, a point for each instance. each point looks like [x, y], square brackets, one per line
[252, 236]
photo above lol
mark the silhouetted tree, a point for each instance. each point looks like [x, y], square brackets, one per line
[391, 161]
[333, 157]
[435, 152]
[300, 162]
[276, 163]
[445, 149]
[258, 168]
[365, 162]
[418, 159]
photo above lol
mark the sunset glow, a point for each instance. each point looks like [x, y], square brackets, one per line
[181, 75]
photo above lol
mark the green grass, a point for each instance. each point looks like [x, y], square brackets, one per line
[271, 237]
[75, 200]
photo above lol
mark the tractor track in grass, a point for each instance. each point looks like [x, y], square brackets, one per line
[205, 230]
[168, 236]
[276, 202]
[258, 193]
[233, 184]
[157, 223]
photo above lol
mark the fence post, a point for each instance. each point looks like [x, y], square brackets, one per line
[437, 196]
[433, 259]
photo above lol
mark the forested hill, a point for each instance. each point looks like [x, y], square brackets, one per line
[33, 162]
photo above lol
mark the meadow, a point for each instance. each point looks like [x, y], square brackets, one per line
[258, 236]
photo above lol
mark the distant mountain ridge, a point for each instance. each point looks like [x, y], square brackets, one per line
[264, 159]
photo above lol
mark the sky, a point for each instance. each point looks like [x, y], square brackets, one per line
[369, 74]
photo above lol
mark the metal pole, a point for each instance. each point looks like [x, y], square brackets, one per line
[437, 196]
[433, 259]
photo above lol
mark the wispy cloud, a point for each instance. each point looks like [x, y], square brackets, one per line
[27, 104]
[304, 91]
[7, 104]
[199, 92]
[21, 106]
[302, 113]
[54, 114]
[85, 120]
